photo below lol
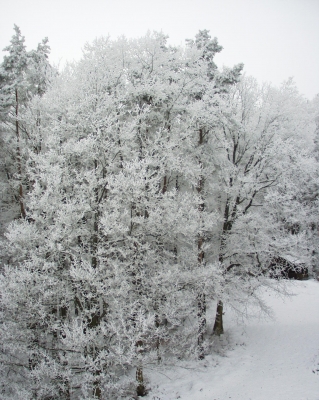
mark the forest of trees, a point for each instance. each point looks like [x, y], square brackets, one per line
[139, 186]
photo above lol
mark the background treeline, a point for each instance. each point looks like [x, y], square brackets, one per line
[138, 185]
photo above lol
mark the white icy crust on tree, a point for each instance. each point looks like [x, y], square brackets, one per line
[153, 182]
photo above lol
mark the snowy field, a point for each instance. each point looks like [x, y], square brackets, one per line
[265, 359]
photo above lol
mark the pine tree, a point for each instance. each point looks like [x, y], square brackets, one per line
[22, 75]
[13, 88]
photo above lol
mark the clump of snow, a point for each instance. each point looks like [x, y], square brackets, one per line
[264, 359]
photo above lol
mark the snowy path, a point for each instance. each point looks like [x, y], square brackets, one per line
[271, 359]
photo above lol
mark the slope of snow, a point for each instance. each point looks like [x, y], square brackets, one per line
[267, 359]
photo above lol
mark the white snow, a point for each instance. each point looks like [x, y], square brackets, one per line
[265, 359]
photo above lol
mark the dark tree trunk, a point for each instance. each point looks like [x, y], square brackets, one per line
[164, 189]
[96, 317]
[97, 393]
[157, 339]
[140, 389]
[218, 326]
[22, 208]
[201, 299]
[137, 283]
[229, 217]
[201, 314]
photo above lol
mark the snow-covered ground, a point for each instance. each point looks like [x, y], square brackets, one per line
[265, 359]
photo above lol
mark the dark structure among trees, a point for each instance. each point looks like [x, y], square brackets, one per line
[280, 267]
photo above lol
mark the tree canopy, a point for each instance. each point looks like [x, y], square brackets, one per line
[153, 182]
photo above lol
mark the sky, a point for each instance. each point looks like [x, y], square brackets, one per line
[275, 39]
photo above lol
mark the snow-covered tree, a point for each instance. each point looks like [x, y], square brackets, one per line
[260, 164]
[113, 228]
[146, 177]
[22, 75]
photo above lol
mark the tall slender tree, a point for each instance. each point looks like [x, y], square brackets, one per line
[22, 75]
[13, 72]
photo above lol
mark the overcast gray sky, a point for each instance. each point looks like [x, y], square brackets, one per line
[275, 39]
